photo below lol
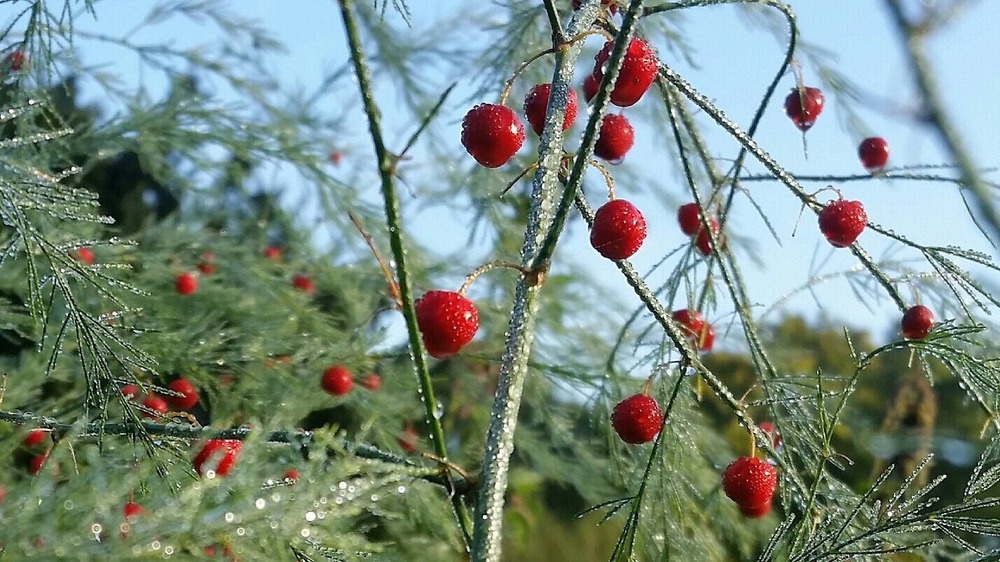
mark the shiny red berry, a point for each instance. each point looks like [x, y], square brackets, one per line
[637, 419]
[537, 101]
[222, 451]
[698, 332]
[873, 153]
[750, 482]
[131, 510]
[492, 134]
[804, 106]
[687, 217]
[337, 380]
[291, 474]
[186, 283]
[35, 437]
[372, 382]
[842, 221]
[755, 512]
[156, 404]
[447, 321]
[618, 230]
[639, 67]
[84, 255]
[916, 322]
[614, 139]
[189, 395]
[130, 391]
[590, 87]
[303, 283]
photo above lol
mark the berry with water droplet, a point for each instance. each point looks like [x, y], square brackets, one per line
[750, 482]
[188, 398]
[702, 241]
[492, 134]
[698, 332]
[186, 283]
[618, 230]
[803, 106]
[337, 380]
[614, 139]
[537, 101]
[637, 419]
[841, 222]
[639, 67]
[223, 451]
[916, 322]
[873, 153]
[447, 321]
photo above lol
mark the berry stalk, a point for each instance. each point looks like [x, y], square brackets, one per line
[544, 223]
[393, 223]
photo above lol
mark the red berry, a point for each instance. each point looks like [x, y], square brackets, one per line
[702, 241]
[615, 138]
[687, 217]
[618, 230]
[492, 134]
[916, 322]
[84, 255]
[156, 404]
[224, 451]
[537, 101]
[447, 321]
[337, 380]
[590, 87]
[37, 462]
[408, 439]
[637, 419]
[189, 398]
[804, 106]
[303, 283]
[755, 512]
[130, 391]
[272, 253]
[768, 428]
[609, 4]
[186, 283]
[206, 267]
[698, 332]
[638, 70]
[15, 60]
[131, 510]
[335, 157]
[750, 482]
[874, 153]
[291, 474]
[372, 382]
[34, 437]
[842, 221]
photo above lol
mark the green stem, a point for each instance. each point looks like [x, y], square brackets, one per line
[935, 116]
[544, 225]
[386, 165]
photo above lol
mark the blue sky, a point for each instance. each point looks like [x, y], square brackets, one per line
[735, 62]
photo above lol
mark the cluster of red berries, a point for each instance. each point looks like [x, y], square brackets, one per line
[338, 381]
[155, 405]
[690, 223]
[35, 448]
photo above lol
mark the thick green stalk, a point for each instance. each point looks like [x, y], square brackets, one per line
[386, 165]
[543, 223]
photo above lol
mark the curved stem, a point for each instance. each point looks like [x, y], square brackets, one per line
[393, 223]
